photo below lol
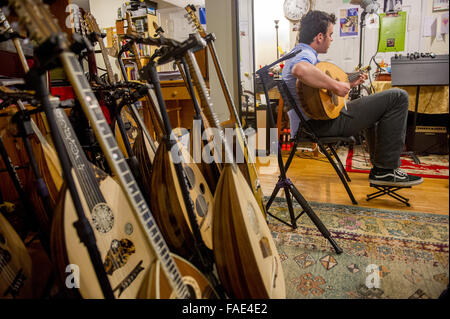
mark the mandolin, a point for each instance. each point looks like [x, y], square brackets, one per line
[15, 262]
[247, 259]
[322, 104]
[165, 274]
[248, 167]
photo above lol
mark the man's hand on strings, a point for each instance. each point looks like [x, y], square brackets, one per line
[362, 78]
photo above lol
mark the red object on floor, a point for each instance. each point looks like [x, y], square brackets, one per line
[429, 167]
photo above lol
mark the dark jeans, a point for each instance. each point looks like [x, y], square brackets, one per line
[383, 115]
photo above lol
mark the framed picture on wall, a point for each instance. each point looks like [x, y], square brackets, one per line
[440, 5]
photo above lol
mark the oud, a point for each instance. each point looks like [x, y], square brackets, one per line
[247, 259]
[15, 263]
[248, 167]
[322, 104]
[170, 276]
[174, 171]
[126, 255]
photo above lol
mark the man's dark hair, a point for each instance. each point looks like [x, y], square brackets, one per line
[313, 23]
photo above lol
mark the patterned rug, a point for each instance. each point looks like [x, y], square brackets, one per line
[355, 159]
[387, 254]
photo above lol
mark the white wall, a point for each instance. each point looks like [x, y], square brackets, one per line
[105, 13]
[344, 51]
[221, 21]
[246, 44]
[265, 13]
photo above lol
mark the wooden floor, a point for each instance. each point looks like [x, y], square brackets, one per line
[317, 181]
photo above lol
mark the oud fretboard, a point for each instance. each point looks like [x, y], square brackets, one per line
[120, 168]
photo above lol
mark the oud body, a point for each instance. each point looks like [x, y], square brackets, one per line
[247, 259]
[156, 285]
[119, 238]
[167, 201]
[322, 104]
[15, 264]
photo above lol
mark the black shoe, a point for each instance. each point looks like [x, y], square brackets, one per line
[394, 177]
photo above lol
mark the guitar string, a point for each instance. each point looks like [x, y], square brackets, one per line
[90, 196]
[88, 182]
[8, 273]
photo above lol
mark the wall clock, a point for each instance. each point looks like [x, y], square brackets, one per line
[294, 10]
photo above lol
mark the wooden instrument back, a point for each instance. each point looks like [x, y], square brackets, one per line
[247, 259]
[15, 264]
[167, 201]
[321, 104]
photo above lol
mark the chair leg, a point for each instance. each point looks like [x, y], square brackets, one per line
[338, 160]
[340, 174]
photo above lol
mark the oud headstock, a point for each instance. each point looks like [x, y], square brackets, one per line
[36, 17]
[193, 20]
[91, 23]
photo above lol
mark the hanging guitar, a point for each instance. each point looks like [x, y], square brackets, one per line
[170, 276]
[248, 168]
[247, 259]
[322, 104]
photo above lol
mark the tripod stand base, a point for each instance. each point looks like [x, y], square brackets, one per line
[289, 189]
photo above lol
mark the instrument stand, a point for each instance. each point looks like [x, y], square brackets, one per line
[24, 198]
[47, 58]
[23, 120]
[390, 191]
[283, 181]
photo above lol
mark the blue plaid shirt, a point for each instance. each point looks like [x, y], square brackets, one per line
[307, 54]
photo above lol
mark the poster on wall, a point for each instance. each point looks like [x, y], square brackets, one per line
[444, 23]
[392, 5]
[392, 32]
[440, 5]
[348, 19]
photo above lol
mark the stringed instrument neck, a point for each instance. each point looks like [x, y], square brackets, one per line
[93, 26]
[36, 17]
[210, 116]
[353, 76]
[132, 30]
